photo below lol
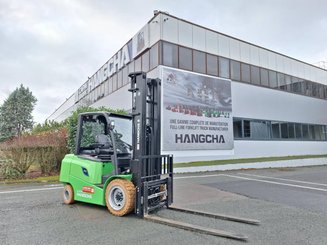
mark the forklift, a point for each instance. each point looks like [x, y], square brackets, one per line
[118, 163]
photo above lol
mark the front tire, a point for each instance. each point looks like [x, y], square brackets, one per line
[68, 194]
[120, 197]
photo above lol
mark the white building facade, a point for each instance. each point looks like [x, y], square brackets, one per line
[270, 104]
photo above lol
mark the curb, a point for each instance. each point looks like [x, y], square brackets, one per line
[257, 165]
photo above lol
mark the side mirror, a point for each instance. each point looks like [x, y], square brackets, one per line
[112, 125]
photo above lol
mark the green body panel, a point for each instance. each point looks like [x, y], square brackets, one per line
[81, 172]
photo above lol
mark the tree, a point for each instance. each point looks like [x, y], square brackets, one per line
[16, 113]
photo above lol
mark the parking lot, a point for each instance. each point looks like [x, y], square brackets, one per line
[290, 203]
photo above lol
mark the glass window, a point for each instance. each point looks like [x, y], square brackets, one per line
[275, 129]
[223, 65]
[145, 62]
[170, 54]
[235, 70]
[212, 65]
[247, 129]
[131, 67]
[255, 75]
[281, 81]
[284, 130]
[106, 86]
[305, 131]
[308, 88]
[317, 132]
[264, 77]
[288, 82]
[297, 85]
[273, 79]
[154, 56]
[298, 131]
[138, 64]
[325, 89]
[185, 58]
[237, 128]
[260, 130]
[321, 91]
[120, 79]
[245, 73]
[110, 85]
[311, 132]
[291, 130]
[114, 82]
[315, 91]
[125, 75]
[199, 61]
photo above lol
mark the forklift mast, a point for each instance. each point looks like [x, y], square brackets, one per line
[152, 172]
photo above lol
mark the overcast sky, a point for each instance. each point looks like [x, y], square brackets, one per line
[52, 46]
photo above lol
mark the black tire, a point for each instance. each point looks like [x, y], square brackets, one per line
[120, 197]
[68, 194]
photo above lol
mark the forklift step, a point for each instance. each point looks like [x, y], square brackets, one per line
[195, 228]
[216, 216]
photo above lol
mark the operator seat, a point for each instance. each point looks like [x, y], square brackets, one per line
[103, 140]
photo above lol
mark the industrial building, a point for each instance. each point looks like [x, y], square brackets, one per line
[222, 97]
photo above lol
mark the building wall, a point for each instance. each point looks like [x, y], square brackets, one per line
[193, 36]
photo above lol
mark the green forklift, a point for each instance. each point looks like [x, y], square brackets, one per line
[118, 163]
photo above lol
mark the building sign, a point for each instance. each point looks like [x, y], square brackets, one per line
[197, 112]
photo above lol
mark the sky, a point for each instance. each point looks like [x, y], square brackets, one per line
[53, 46]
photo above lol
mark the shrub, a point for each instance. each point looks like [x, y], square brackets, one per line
[46, 149]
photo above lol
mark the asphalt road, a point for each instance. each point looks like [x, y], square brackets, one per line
[290, 203]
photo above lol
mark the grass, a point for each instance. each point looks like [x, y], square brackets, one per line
[243, 160]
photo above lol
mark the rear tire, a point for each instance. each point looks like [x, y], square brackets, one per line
[120, 197]
[68, 194]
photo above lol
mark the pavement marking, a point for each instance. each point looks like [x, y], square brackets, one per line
[275, 183]
[197, 176]
[290, 180]
[30, 190]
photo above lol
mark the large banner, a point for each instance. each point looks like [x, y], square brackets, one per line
[197, 112]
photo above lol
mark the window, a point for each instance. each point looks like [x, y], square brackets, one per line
[125, 75]
[298, 131]
[260, 129]
[185, 58]
[291, 130]
[223, 67]
[131, 67]
[275, 130]
[212, 65]
[308, 88]
[110, 85]
[305, 132]
[314, 89]
[264, 77]
[114, 83]
[120, 79]
[273, 79]
[199, 61]
[297, 85]
[235, 70]
[154, 56]
[138, 64]
[145, 62]
[281, 81]
[247, 129]
[311, 132]
[169, 54]
[245, 73]
[284, 130]
[255, 75]
[321, 91]
[288, 83]
[237, 128]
